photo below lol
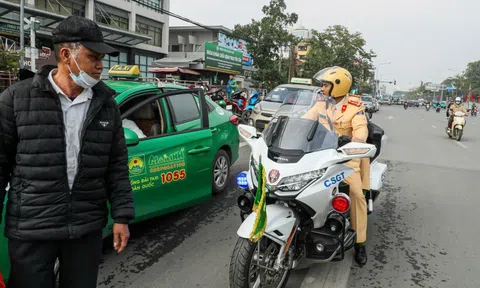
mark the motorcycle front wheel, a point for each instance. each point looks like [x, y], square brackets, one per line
[250, 268]
[458, 133]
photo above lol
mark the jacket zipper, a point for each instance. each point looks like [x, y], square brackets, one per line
[69, 196]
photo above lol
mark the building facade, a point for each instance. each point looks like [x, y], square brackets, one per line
[187, 50]
[303, 47]
[137, 28]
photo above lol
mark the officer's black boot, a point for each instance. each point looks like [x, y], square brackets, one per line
[360, 254]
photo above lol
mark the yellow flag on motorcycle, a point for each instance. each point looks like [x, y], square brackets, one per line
[260, 205]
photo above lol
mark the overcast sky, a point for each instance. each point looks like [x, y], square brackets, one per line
[424, 39]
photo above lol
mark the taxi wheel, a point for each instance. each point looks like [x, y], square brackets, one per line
[221, 171]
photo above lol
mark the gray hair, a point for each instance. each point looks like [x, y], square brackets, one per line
[73, 46]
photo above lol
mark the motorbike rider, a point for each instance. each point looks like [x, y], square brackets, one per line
[349, 120]
[456, 106]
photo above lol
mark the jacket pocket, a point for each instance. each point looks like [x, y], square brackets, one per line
[18, 193]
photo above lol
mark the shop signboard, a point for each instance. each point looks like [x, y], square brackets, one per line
[237, 45]
[221, 59]
[9, 29]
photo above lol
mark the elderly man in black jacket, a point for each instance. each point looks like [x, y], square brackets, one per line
[62, 149]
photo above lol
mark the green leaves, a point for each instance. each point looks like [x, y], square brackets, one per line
[267, 38]
[337, 46]
[9, 62]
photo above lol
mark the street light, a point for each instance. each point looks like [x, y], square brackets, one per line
[377, 84]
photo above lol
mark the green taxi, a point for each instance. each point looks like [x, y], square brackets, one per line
[181, 146]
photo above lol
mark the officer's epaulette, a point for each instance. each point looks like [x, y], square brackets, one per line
[356, 101]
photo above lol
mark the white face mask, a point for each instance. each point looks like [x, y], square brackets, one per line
[83, 79]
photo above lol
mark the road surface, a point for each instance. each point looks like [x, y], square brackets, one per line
[423, 232]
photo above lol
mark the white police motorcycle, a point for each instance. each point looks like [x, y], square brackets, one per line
[307, 202]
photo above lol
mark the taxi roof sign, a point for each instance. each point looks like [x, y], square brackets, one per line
[124, 71]
[305, 81]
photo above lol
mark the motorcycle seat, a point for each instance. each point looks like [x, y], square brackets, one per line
[375, 135]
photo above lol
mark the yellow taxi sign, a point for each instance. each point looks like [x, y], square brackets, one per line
[304, 81]
[124, 71]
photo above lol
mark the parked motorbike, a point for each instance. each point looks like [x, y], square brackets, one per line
[254, 99]
[218, 96]
[308, 203]
[458, 123]
[474, 111]
[238, 103]
[405, 105]
[427, 107]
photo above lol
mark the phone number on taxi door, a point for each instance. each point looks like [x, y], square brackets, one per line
[167, 167]
[173, 176]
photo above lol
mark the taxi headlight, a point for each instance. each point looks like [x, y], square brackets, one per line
[257, 109]
[297, 182]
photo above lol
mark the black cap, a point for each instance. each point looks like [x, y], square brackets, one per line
[84, 31]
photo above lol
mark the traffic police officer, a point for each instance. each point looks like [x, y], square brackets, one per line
[349, 120]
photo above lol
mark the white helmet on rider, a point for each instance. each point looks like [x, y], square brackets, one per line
[458, 100]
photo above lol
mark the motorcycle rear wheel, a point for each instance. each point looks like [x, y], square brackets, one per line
[244, 272]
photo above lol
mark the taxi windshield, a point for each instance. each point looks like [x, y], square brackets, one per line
[279, 94]
[302, 125]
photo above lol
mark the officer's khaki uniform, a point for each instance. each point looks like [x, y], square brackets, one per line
[350, 120]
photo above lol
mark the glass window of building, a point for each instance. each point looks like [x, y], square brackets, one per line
[144, 62]
[155, 5]
[111, 16]
[150, 28]
[62, 7]
[109, 61]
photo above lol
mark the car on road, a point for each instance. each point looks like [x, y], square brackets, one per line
[385, 101]
[181, 152]
[265, 109]
[413, 103]
[369, 104]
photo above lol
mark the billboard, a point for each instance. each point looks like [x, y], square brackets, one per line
[237, 45]
[221, 59]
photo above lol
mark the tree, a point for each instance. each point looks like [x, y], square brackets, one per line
[267, 38]
[9, 62]
[336, 46]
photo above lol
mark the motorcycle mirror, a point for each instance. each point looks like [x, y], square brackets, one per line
[354, 150]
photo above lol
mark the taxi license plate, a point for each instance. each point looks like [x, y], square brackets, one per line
[266, 125]
[229, 107]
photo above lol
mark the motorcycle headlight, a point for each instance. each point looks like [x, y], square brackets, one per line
[297, 182]
[256, 110]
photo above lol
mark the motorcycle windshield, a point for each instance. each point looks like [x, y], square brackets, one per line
[303, 124]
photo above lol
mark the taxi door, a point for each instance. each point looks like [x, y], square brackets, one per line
[171, 167]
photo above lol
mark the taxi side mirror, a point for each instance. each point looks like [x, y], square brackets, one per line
[131, 138]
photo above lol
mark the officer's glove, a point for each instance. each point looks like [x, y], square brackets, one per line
[343, 140]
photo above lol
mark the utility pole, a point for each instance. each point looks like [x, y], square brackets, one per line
[33, 49]
[22, 34]
[293, 61]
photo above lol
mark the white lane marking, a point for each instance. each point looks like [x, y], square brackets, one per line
[461, 144]
[390, 117]
[243, 144]
[434, 126]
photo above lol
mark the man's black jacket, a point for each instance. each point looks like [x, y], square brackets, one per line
[41, 205]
